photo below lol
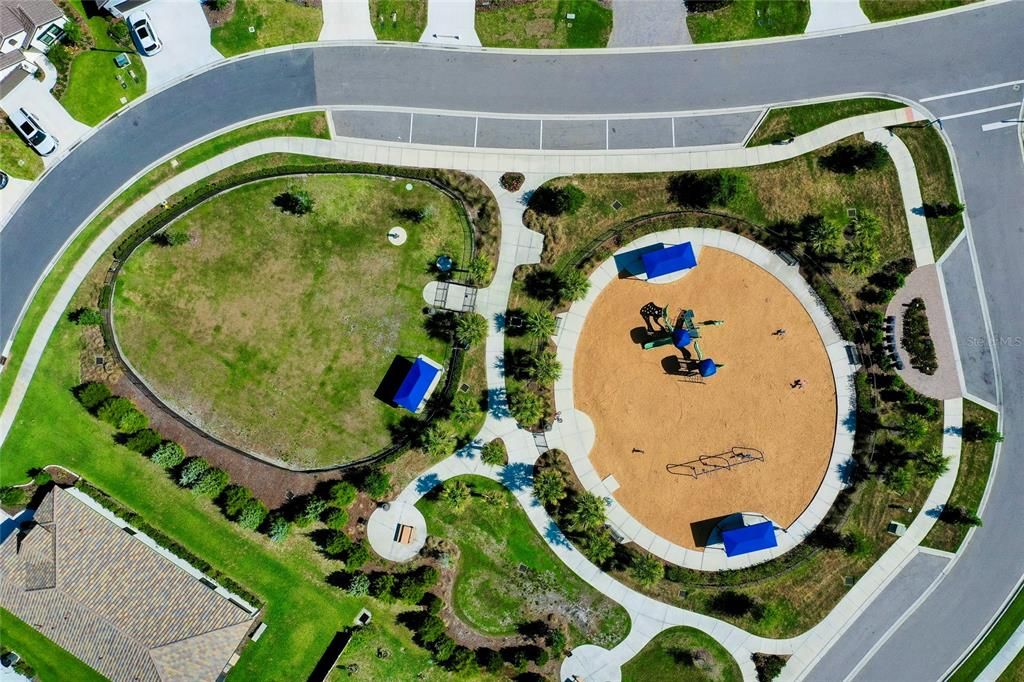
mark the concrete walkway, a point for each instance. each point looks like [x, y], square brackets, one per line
[451, 22]
[347, 20]
[648, 23]
[520, 245]
[912, 201]
[829, 15]
[1001, 661]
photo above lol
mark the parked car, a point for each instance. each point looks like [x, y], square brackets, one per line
[28, 127]
[143, 34]
[3, 179]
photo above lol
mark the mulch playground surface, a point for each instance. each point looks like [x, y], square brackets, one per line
[648, 415]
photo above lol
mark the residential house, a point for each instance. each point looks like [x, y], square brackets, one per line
[27, 25]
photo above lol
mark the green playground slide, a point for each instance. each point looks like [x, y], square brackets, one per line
[663, 341]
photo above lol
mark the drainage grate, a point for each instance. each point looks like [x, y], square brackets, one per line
[616, 205]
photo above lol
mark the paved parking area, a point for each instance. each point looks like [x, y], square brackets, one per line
[186, 36]
[33, 96]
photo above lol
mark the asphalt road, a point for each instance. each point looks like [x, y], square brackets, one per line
[915, 60]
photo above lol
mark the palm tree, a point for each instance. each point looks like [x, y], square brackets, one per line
[599, 547]
[549, 487]
[540, 324]
[588, 514]
[470, 329]
[545, 367]
[455, 494]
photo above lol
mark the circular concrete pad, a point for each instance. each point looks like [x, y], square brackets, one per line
[382, 530]
[397, 236]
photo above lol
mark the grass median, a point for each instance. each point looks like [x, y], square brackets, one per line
[786, 122]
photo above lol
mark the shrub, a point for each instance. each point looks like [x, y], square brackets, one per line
[279, 528]
[917, 338]
[122, 414]
[60, 57]
[599, 548]
[575, 285]
[337, 519]
[588, 513]
[40, 477]
[978, 432]
[191, 471]
[12, 497]
[169, 238]
[526, 406]
[544, 367]
[377, 484]
[432, 603]
[512, 181]
[252, 515]
[914, 428]
[901, 478]
[438, 440]
[942, 209]
[480, 269]
[702, 190]
[454, 494]
[705, 6]
[358, 585]
[234, 500]
[549, 487]
[92, 394]
[461, 658]
[310, 512]
[168, 454]
[768, 666]
[382, 586]
[294, 201]
[118, 31]
[357, 555]
[933, 464]
[850, 158]
[540, 324]
[736, 604]
[342, 494]
[556, 640]
[824, 237]
[959, 516]
[72, 33]
[470, 329]
[86, 317]
[490, 660]
[493, 453]
[211, 482]
[143, 441]
[465, 408]
[337, 543]
[556, 201]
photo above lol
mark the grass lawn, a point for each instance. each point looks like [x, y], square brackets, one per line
[682, 654]
[410, 18]
[884, 10]
[542, 24]
[93, 91]
[50, 662]
[971, 479]
[746, 19]
[781, 124]
[935, 175]
[277, 22]
[298, 124]
[16, 158]
[1004, 628]
[493, 590]
[288, 367]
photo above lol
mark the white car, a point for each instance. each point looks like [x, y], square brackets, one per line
[142, 33]
[28, 127]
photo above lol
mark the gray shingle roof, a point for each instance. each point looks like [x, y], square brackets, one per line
[113, 602]
[26, 15]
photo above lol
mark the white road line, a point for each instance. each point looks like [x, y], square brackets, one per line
[673, 119]
[476, 128]
[607, 125]
[971, 91]
[541, 143]
[1011, 105]
[411, 117]
[998, 124]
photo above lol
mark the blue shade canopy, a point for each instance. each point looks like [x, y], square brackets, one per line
[669, 259]
[417, 383]
[747, 539]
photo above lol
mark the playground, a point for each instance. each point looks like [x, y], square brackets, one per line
[690, 442]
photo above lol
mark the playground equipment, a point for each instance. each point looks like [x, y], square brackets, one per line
[681, 334]
[709, 464]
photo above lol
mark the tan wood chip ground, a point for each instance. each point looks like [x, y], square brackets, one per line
[637, 399]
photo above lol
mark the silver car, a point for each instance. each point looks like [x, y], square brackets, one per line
[143, 34]
[28, 127]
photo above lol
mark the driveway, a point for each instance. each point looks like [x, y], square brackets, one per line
[451, 22]
[646, 23]
[186, 36]
[9, 197]
[347, 20]
[33, 96]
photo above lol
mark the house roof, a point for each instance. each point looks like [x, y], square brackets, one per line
[26, 15]
[112, 601]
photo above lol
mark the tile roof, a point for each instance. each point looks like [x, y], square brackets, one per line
[116, 604]
[26, 15]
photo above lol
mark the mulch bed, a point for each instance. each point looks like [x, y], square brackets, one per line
[218, 17]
